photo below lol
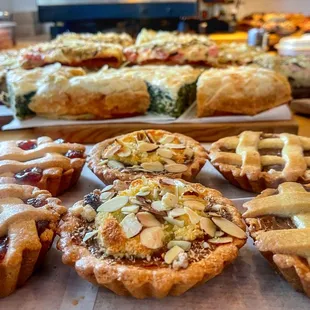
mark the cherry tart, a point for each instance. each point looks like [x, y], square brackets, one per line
[28, 222]
[148, 153]
[151, 237]
[47, 164]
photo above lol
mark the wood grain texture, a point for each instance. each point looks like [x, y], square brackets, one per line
[89, 134]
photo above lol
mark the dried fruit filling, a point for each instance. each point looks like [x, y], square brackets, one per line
[157, 221]
[4, 244]
[36, 202]
[149, 151]
[74, 154]
[29, 175]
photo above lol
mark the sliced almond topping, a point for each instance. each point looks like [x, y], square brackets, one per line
[107, 188]
[175, 168]
[113, 204]
[112, 150]
[207, 226]
[89, 235]
[124, 152]
[214, 214]
[130, 209]
[103, 162]
[157, 205]
[216, 207]
[221, 240]
[175, 146]
[165, 153]
[206, 245]
[193, 216]
[169, 200]
[114, 164]
[185, 245]
[195, 205]
[106, 195]
[155, 166]
[173, 221]
[219, 234]
[229, 227]
[166, 139]
[147, 147]
[147, 219]
[141, 193]
[172, 254]
[131, 225]
[152, 237]
[177, 212]
[168, 161]
[188, 152]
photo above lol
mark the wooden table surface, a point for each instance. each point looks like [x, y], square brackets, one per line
[303, 122]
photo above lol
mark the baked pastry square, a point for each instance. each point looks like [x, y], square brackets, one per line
[147, 152]
[279, 223]
[92, 55]
[44, 163]
[28, 222]
[61, 92]
[255, 161]
[240, 90]
[151, 237]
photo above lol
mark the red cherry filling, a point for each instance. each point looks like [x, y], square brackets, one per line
[74, 154]
[29, 175]
[41, 226]
[27, 145]
[4, 244]
[36, 202]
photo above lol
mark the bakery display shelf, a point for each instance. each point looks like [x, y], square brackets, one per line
[93, 133]
[249, 283]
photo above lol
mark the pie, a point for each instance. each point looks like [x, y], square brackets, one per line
[240, 90]
[92, 55]
[124, 39]
[61, 92]
[147, 152]
[279, 223]
[152, 237]
[172, 89]
[28, 222]
[173, 52]
[51, 165]
[255, 161]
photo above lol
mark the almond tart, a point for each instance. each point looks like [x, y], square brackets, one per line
[51, 165]
[279, 223]
[148, 153]
[28, 222]
[255, 161]
[151, 237]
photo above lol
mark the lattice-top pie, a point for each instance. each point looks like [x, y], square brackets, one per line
[42, 162]
[255, 161]
[28, 221]
[151, 237]
[147, 152]
[279, 222]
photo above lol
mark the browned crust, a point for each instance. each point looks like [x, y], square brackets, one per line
[139, 282]
[295, 270]
[17, 272]
[108, 175]
[76, 103]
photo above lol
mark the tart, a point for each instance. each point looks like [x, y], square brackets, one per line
[28, 221]
[279, 223]
[44, 163]
[147, 152]
[152, 237]
[255, 161]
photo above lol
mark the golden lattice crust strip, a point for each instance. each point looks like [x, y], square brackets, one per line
[248, 158]
[292, 200]
[290, 241]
